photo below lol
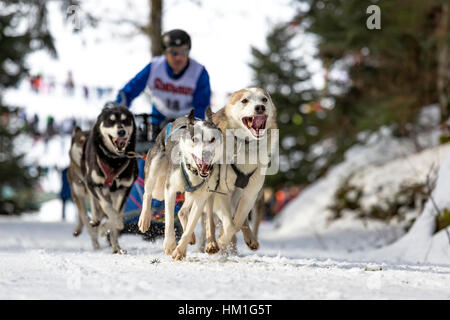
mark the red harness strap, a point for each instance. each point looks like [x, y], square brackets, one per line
[110, 176]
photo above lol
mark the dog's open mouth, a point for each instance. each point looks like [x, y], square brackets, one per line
[120, 143]
[203, 167]
[256, 125]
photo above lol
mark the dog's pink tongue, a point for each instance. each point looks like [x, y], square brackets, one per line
[202, 166]
[259, 123]
[121, 142]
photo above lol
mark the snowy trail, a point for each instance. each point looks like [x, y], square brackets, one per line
[41, 260]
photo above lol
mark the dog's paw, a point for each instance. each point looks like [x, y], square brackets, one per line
[212, 247]
[178, 254]
[94, 223]
[119, 251]
[192, 242]
[222, 242]
[252, 245]
[169, 246]
[144, 224]
[76, 233]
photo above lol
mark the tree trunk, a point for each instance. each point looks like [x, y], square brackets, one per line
[156, 27]
[442, 60]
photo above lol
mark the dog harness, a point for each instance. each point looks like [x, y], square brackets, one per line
[111, 175]
[169, 128]
[242, 178]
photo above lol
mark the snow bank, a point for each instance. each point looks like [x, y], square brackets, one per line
[420, 245]
[310, 207]
[383, 161]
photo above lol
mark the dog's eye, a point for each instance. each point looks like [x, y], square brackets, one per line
[264, 99]
[244, 101]
[212, 140]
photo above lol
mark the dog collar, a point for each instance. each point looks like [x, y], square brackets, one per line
[190, 187]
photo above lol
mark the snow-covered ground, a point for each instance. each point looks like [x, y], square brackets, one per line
[302, 255]
[41, 260]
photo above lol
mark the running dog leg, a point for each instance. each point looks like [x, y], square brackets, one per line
[225, 215]
[184, 213]
[211, 244]
[151, 176]
[169, 231]
[249, 237]
[95, 220]
[82, 216]
[194, 215]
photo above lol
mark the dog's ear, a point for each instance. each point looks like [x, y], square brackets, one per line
[109, 104]
[191, 117]
[209, 114]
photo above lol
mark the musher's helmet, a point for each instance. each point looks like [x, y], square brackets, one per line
[176, 38]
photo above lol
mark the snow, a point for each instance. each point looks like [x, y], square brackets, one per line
[302, 255]
[42, 260]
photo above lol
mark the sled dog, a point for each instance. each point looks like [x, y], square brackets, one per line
[107, 169]
[248, 119]
[77, 185]
[185, 158]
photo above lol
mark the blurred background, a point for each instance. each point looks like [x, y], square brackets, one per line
[363, 99]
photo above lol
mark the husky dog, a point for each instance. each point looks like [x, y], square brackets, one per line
[108, 171]
[77, 185]
[184, 157]
[248, 117]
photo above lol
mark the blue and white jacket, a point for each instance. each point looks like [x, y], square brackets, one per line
[172, 95]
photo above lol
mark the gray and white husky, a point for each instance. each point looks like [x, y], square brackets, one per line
[184, 157]
[250, 140]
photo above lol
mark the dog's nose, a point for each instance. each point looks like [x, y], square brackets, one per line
[121, 132]
[207, 155]
[260, 108]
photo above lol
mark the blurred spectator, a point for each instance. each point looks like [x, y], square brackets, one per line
[51, 130]
[34, 126]
[294, 191]
[51, 85]
[70, 85]
[280, 200]
[65, 192]
[86, 92]
[36, 82]
[100, 92]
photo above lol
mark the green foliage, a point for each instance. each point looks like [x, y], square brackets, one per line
[23, 29]
[408, 198]
[442, 220]
[393, 70]
[391, 74]
[16, 183]
[347, 197]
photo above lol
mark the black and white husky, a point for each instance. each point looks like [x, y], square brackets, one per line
[184, 158]
[107, 170]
